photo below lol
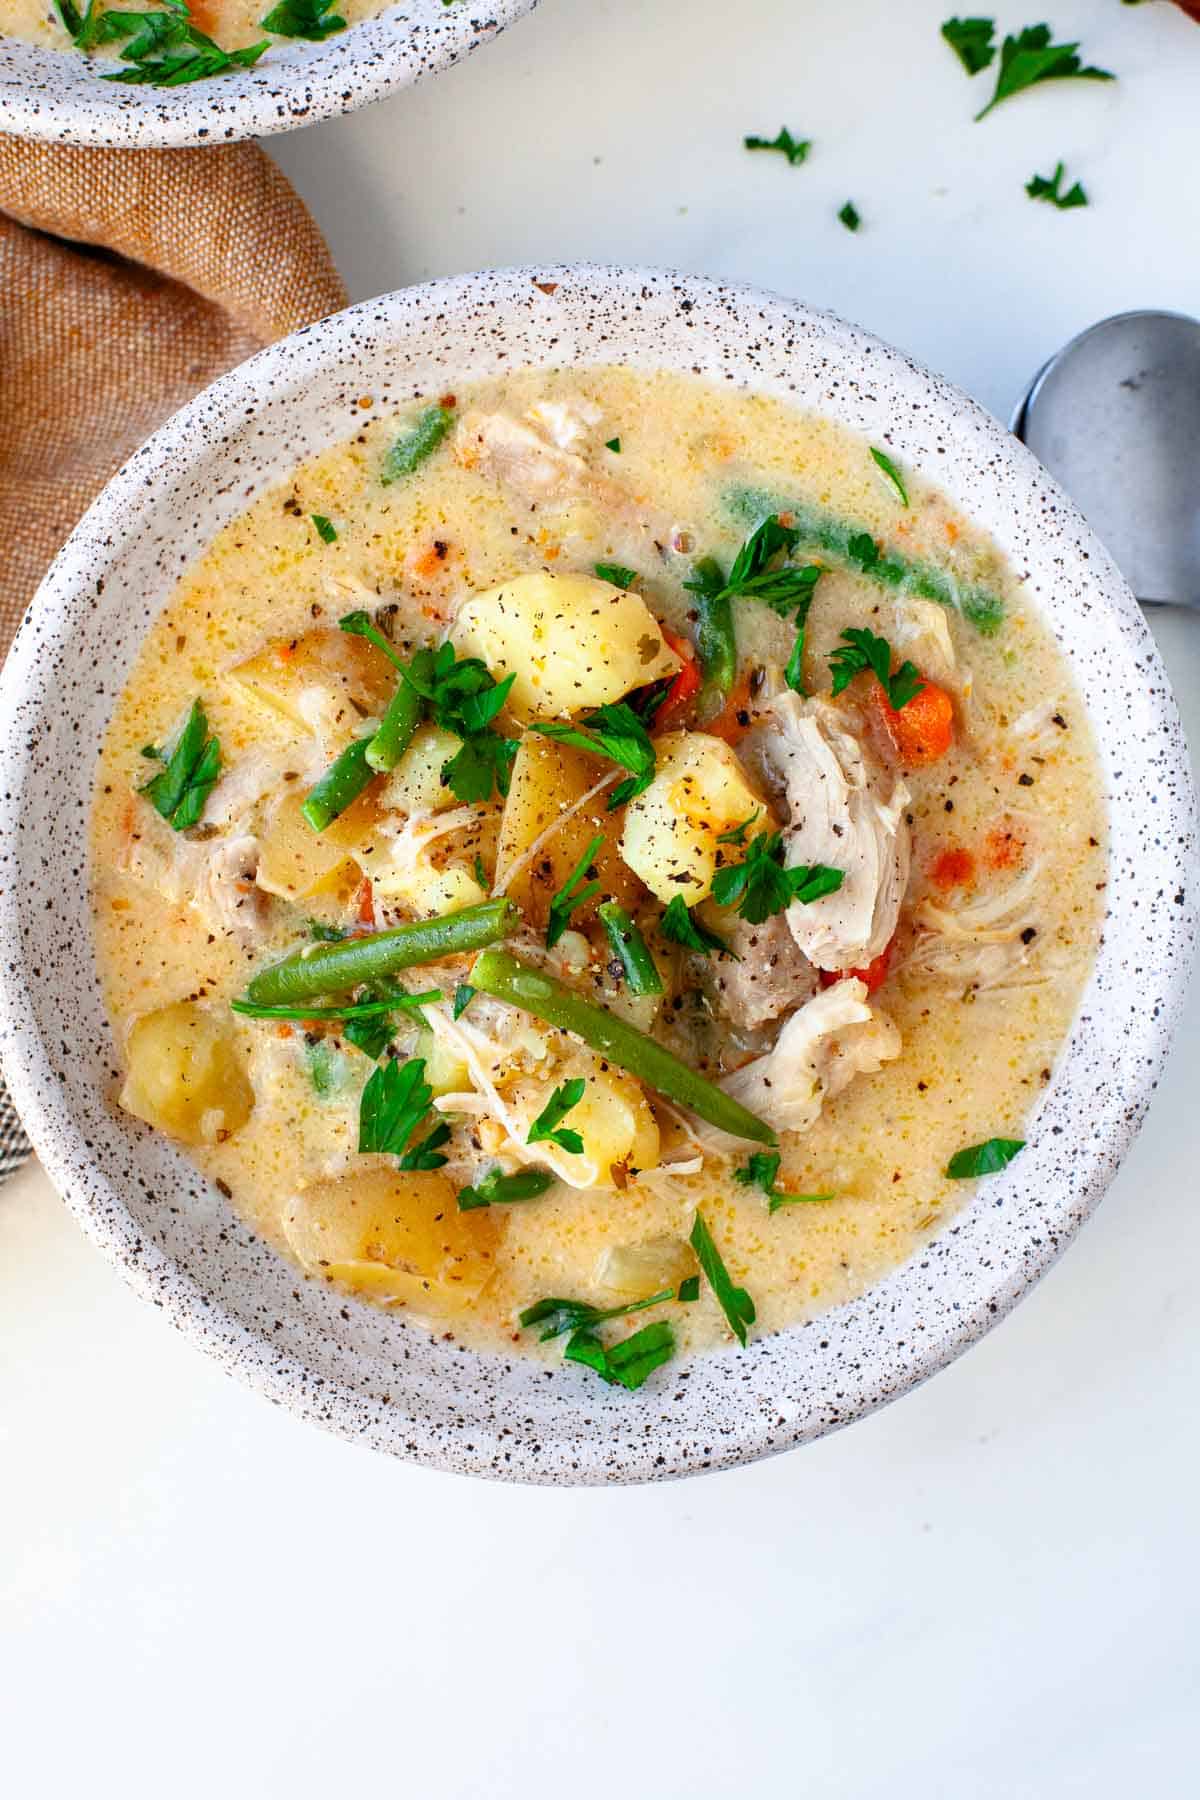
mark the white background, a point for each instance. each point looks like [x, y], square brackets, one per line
[987, 1591]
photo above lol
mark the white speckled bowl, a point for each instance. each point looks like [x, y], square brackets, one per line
[371, 1375]
[59, 96]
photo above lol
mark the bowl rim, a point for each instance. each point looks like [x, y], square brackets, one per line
[53, 96]
[284, 1378]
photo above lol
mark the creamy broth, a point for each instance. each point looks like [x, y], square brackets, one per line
[948, 1044]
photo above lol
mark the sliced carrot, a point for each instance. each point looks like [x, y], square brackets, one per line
[920, 732]
[1003, 848]
[875, 973]
[733, 721]
[951, 869]
[686, 684]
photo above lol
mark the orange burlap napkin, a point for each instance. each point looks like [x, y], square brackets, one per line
[128, 280]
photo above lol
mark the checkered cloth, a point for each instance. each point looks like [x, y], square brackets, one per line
[14, 1145]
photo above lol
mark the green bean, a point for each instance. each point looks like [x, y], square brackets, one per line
[396, 728]
[630, 949]
[841, 541]
[716, 640]
[336, 968]
[505, 978]
[339, 786]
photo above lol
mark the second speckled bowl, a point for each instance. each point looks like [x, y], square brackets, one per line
[370, 1375]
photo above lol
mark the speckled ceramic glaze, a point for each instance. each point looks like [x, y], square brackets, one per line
[60, 96]
[371, 1375]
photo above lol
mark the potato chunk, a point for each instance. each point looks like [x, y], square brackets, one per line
[572, 641]
[613, 1118]
[393, 1238]
[294, 860]
[323, 681]
[671, 831]
[186, 1075]
[547, 780]
[415, 785]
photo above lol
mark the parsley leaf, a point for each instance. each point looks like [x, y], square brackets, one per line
[165, 48]
[370, 1035]
[416, 445]
[627, 1364]
[762, 1171]
[737, 833]
[303, 19]
[394, 1102]
[615, 732]
[864, 650]
[689, 1290]
[181, 788]
[426, 1154]
[761, 886]
[572, 894]
[983, 1159]
[734, 1302]
[559, 1316]
[463, 996]
[679, 927]
[795, 149]
[1046, 187]
[891, 474]
[617, 573]
[971, 41]
[755, 576]
[850, 216]
[497, 1189]
[1030, 58]
[462, 697]
[545, 1128]
[325, 529]
[483, 760]
[613, 444]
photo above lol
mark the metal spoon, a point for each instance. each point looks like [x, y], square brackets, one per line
[1115, 416]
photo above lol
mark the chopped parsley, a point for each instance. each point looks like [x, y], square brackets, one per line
[180, 790]
[679, 927]
[626, 1364]
[560, 1316]
[617, 574]
[326, 530]
[689, 1290]
[547, 1128]
[891, 474]
[757, 574]
[615, 732]
[309, 19]
[1031, 58]
[762, 1171]
[795, 149]
[463, 996]
[1048, 187]
[573, 893]
[850, 216]
[987, 1158]
[461, 696]
[737, 833]
[164, 50]
[760, 886]
[496, 1189]
[972, 42]
[427, 1154]
[396, 1099]
[863, 650]
[417, 445]
[734, 1301]
[614, 444]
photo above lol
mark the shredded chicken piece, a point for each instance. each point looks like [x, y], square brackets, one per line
[214, 875]
[540, 469]
[988, 944]
[820, 1050]
[771, 975]
[845, 811]
[570, 427]
[922, 632]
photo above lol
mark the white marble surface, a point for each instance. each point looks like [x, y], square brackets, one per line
[990, 1589]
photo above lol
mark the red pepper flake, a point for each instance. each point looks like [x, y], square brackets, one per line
[1003, 849]
[449, 401]
[365, 902]
[874, 975]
